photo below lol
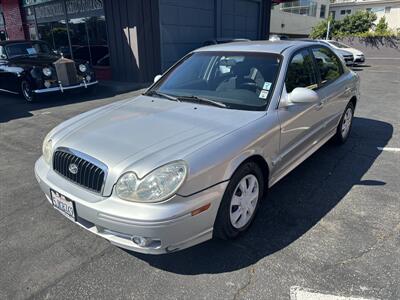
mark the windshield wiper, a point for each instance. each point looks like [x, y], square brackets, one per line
[166, 96]
[201, 100]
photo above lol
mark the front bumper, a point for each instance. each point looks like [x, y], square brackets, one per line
[118, 221]
[359, 59]
[62, 88]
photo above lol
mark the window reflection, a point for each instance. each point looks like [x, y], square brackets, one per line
[87, 29]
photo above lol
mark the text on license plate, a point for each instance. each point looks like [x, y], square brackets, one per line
[63, 205]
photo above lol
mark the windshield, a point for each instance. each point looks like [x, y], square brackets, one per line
[28, 48]
[339, 45]
[238, 80]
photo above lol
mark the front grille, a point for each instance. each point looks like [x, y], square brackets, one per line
[66, 72]
[88, 174]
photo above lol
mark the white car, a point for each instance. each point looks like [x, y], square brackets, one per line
[358, 55]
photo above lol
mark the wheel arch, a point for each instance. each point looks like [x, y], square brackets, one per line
[260, 161]
[353, 101]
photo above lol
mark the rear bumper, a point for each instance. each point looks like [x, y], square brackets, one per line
[62, 88]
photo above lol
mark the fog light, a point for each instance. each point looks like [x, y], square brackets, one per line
[146, 242]
[47, 84]
[88, 78]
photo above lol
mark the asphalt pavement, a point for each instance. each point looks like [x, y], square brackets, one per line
[332, 226]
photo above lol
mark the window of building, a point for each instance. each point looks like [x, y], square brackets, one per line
[322, 11]
[342, 12]
[76, 28]
[387, 9]
[348, 11]
[301, 7]
[369, 9]
[301, 72]
[333, 14]
[328, 64]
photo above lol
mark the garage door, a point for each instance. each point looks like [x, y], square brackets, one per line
[240, 19]
[186, 24]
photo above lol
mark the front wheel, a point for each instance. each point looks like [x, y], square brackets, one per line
[27, 92]
[344, 127]
[240, 202]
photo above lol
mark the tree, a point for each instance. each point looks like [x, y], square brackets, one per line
[382, 26]
[360, 22]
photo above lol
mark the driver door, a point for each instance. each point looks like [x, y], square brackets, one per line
[301, 123]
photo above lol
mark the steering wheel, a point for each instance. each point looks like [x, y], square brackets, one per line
[249, 85]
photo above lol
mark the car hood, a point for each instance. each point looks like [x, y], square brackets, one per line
[35, 60]
[354, 51]
[145, 132]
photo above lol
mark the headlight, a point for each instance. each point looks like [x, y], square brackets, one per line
[157, 186]
[82, 68]
[47, 150]
[47, 72]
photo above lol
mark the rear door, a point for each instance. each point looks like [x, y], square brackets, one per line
[333, 90]
[301, 124]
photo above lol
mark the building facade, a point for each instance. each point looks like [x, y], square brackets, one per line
[297, 18]
[133, 40]
[390, 9]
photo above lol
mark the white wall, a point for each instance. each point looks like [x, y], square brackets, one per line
[378, 7]
[295, 24]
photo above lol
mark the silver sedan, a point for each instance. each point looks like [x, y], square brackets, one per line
[193, 157]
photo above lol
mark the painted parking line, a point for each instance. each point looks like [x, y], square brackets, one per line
[389, 149]
[299, 293]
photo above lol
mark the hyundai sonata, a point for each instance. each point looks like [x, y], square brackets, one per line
[193, 157]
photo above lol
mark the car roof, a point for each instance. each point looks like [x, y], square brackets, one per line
[275, 47]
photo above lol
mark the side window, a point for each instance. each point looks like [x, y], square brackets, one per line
[329, 65]
[301, 72]
[2, 53]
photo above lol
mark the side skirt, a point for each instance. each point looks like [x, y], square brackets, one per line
[302, 158]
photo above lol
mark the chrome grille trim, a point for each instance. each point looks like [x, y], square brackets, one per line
[92, 173]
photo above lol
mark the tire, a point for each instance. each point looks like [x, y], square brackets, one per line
[344, 127]
[233, 203]
[26, 91]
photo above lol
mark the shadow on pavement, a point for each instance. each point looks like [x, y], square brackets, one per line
[292, 207]
[15, 107]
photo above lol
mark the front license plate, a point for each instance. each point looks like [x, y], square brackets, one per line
[63, 205]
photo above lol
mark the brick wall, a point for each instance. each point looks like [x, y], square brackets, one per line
[13, 19]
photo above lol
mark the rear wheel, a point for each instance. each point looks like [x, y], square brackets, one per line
[27, 92]
[240, 202]
[344, 127]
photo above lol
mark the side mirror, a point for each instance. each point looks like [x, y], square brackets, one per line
[3, 56]
[303, 96]
[157, 78]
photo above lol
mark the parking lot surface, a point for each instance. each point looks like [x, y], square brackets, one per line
[331, 226]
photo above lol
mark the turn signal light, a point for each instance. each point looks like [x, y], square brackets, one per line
[201, 209]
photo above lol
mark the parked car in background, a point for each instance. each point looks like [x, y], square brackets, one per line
[194, 156]
[223, 41]
[347, 56]
[359, 57]
[31, 68]
[278, 37]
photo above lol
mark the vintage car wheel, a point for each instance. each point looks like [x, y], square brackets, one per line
[240, 202]
[26, 91]
[344, 127]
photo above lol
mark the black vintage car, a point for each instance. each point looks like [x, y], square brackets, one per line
[31, 68]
